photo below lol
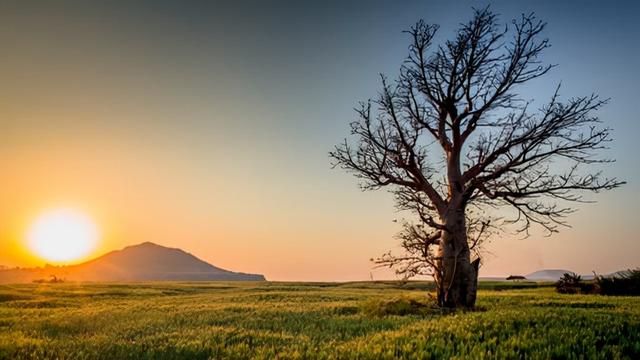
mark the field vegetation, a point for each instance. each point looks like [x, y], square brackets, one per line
[266, 320]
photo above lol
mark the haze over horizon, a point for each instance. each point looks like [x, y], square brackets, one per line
[206, 127]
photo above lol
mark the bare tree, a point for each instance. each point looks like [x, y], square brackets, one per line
[452, 140]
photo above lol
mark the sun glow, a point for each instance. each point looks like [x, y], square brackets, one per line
[62, 235]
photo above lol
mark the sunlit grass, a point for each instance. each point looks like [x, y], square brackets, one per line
[289, 320]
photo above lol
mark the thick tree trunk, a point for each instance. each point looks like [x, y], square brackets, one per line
[458, 278]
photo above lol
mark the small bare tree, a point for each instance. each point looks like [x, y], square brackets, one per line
[452, 140]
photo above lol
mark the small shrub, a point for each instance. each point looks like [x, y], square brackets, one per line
[569, 283]
[52, 280]
[398, 306]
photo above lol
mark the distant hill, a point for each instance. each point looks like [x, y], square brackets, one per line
[546, 275]
[553, 275]
[143, 262]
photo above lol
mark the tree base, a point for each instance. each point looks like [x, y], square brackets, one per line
[460, 292]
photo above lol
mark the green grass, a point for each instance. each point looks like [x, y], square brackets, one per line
[203, 320]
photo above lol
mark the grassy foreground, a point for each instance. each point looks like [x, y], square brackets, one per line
[287, 320]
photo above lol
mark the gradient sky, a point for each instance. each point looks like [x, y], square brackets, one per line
[206, 127]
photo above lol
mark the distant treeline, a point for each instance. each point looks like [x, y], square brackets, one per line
[624, 283]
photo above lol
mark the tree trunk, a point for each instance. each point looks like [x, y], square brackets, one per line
[458, 278]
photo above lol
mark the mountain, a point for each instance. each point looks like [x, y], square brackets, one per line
[142, 262]
[546, 275]
[619, 273]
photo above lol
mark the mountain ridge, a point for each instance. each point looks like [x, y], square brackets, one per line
[546, 274]
[146, 261]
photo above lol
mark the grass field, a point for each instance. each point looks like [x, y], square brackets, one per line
[297, 320]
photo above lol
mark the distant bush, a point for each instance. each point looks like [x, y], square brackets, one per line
[622, 283]
[572, 283]
[516, 277]
[52, 280]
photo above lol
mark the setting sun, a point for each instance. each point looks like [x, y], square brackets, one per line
[62, 235]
